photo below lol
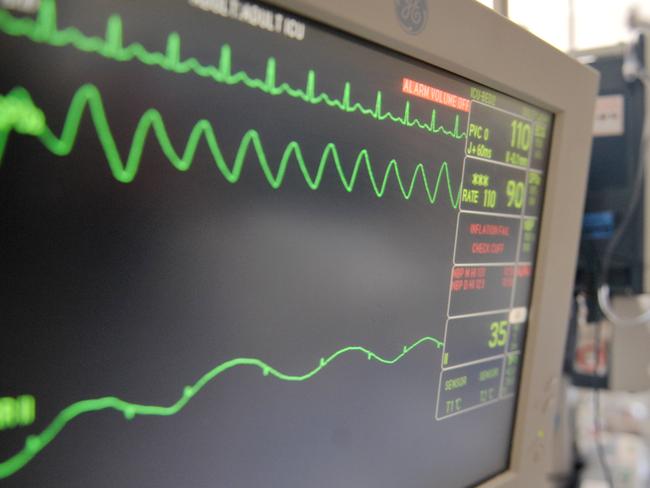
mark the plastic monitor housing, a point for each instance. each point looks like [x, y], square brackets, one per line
[499, 54]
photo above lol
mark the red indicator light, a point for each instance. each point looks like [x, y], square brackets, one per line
[524, 271]
[435, 95]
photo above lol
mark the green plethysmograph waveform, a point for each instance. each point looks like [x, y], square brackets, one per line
[20, 114]
[44, 29]
[36, 443]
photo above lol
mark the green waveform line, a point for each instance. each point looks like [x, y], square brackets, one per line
[36, 443]
[44, 30]
[88, 97]
[18, 113]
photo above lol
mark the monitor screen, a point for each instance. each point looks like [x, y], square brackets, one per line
[240, 248]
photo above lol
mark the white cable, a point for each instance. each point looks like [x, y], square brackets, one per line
[632, 68]
[613, 317]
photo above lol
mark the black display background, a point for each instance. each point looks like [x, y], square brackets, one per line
[136, 290]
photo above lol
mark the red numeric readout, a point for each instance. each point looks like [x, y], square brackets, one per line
[468, 278]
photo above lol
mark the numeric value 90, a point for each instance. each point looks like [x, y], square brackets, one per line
[515, 191]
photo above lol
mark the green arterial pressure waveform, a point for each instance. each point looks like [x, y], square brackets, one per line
[18, 105]
[36, 443]
[45, 30]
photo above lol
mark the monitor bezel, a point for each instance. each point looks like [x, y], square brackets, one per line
[503, 56]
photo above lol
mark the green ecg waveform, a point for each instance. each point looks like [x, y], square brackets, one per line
[44, 30]
[36, 443]
[89, 98]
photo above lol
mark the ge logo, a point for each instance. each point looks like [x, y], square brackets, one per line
[412, 14]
